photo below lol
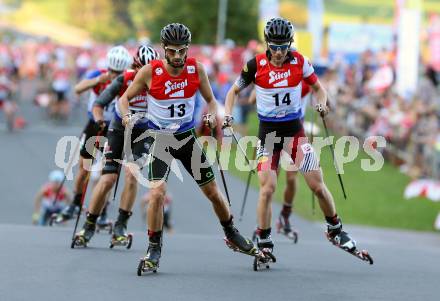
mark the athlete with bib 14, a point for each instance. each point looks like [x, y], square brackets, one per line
[277, 75]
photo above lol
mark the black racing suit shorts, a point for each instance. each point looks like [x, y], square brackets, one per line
[183, 147]
[114, 148]
[90, 132]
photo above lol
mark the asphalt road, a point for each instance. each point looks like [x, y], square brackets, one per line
[38, 264]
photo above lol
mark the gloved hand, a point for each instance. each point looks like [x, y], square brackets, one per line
[228, 121]
[35, 218]
[322, 109]
[210, 120]
[100, 125]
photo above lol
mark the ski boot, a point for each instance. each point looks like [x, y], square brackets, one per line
[120, 236]
[235, 241]
[150, 263]
[342, 240]
[83, 237]
[67, 214]
[103, 223]
[284, 227]
[265, 246]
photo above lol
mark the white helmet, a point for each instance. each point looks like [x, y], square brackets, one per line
[145, 54]
[118, 58]
[56, 176]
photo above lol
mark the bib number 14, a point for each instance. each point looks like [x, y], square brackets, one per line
[180, 111]
[286, 99]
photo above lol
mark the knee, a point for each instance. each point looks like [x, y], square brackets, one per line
[107, 181]
[318, 189]
[157, 196]
[130, 180]
[267, 190]
[291, 179]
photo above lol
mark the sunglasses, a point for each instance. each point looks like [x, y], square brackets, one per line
[276, 47]
[180, 51]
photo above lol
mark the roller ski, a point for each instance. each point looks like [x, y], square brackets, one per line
[120, 236]
[67, 214]
[342, 240]
[265, 246]
[150, 263]
[82, 238]
[104, 224]
[284, 227]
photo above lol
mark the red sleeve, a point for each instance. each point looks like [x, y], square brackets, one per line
[311, 79]
[305, 89]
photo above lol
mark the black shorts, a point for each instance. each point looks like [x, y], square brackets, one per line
[91, 130]
[115, 147]
[183, 147]
[283, 129]
[60, 95]
[288, 136]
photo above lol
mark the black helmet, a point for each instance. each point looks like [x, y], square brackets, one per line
[278, 30]
[175, 34]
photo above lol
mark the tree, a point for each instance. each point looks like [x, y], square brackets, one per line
[201, 18]
[106, 20]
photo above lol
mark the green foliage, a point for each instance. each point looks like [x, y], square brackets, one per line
[104, 19]
[201, 18]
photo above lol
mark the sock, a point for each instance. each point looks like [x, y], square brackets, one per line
[264, 233]
[154, 236]
[333, 221]
[77, 199]
[334, 225]
[287, 209]
[124, 215]
[228, 223]
[91, 218]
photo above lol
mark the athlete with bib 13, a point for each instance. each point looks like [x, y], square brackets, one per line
[172, 84]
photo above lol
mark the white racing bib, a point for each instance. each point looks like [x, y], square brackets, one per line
[170, 113]
[278, 102]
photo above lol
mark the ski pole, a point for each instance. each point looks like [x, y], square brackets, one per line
[243, 203]
[117, 182]
[85, 187]
[135, 118]
[311, 141]
[241, 149]
[69, 166]
[334, 158]
[220, 168]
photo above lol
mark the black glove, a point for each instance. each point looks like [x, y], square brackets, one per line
[100, 125]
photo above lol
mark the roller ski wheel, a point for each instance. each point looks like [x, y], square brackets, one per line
[253, 252]
[286, 230]
[124, 241]
[58, 219]
[146, 266]
[52, 219]
[105, 227]
[292, 235]
[361, 254]
[78, 241]
[264, 260]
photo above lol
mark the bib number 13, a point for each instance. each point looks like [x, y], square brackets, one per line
[180, 110]
[285, 99]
